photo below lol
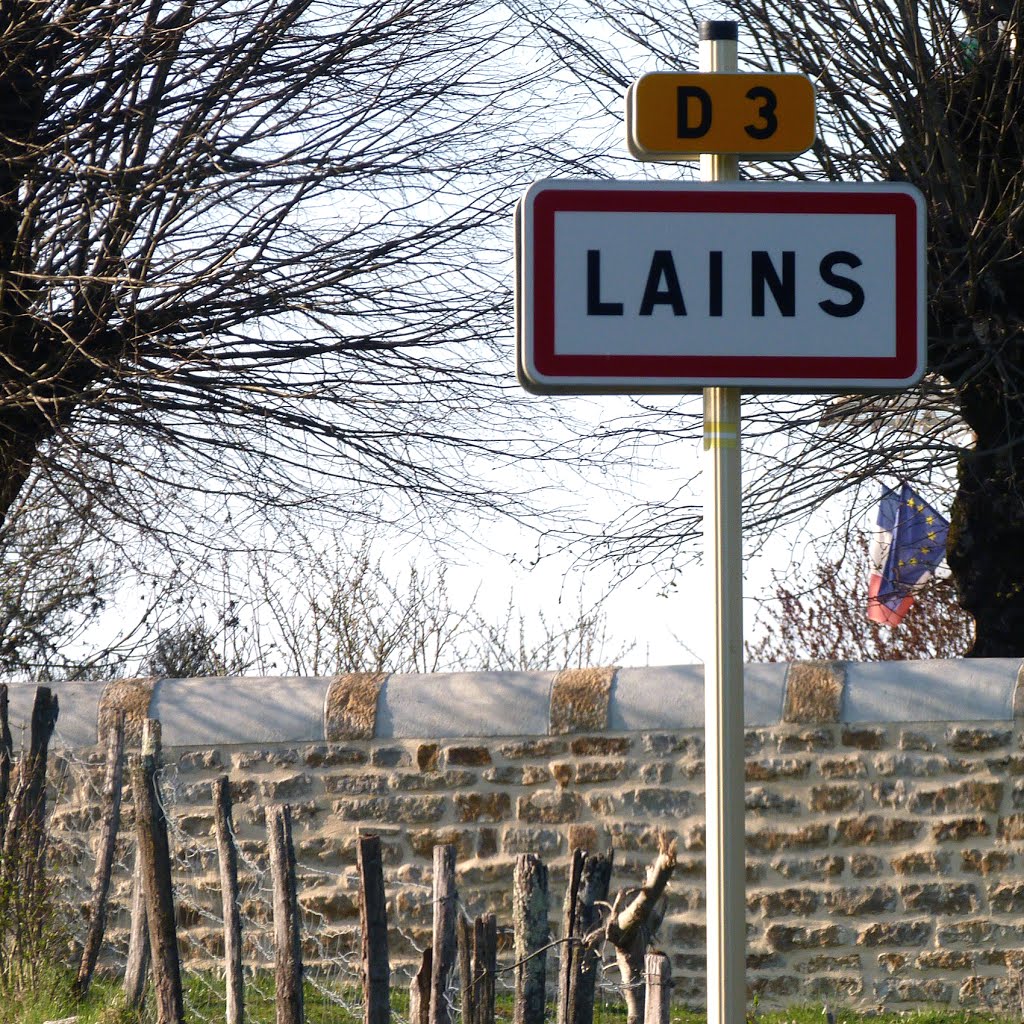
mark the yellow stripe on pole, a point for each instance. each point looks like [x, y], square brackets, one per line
[721, 435]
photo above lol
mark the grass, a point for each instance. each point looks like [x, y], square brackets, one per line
[204, 998]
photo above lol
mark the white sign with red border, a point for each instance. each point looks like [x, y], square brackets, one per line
[676, 286]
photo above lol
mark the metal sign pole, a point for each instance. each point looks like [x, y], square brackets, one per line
[723, 665]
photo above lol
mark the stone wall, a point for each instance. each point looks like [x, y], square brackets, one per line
[885, 807]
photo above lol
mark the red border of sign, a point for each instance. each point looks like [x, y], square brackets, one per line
[619, 370]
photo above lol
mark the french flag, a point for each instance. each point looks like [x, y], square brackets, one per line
[908, 545]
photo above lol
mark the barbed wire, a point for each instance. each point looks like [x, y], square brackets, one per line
[332, 970]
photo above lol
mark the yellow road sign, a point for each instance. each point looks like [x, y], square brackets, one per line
[675, 116]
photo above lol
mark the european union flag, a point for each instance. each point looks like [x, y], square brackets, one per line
[908, 546]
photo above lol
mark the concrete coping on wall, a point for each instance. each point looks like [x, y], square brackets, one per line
[284, 709]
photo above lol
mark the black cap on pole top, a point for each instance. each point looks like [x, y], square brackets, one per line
[712, 30]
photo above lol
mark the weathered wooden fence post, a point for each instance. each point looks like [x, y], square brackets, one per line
[565, 961]
[26, 821]
[478, 962]
[373, 920]
[227, 858]
[137, 968]
[445, 911]
[288, 962]
[419, 990]
[110, 822]
[589, 879]
[658, 982]
[155, 860]
[530, 931]
[6, 759]
[584, 960]
[485, 968]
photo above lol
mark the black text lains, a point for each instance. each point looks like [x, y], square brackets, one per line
[663, 287]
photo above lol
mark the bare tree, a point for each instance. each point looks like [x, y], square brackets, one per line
[344, 612]
[925, 92]
[249, 252]
[820, 613]
[54, 581]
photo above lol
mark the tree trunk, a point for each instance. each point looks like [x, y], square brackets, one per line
[288, 960]
[985, 549]
[373, 920]
[633, 921]
[155, 859]
[227, 857]
[530, 936]
[111, 821]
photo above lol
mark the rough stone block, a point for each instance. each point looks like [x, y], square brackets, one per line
[545, 807]
[361, 783]
[986, 862]
[956, 830]
[786, 937]
[542, 841]
[908, 990]
[541, 748]
[920, 862]
[660, 803]
[895, 933]
[1006, 897]
[330, 755]
[808, 869]
[971, 740]
[912, 739]
[600, 746]
[851, 766]
[785, 902]
[586, 837]
[836, 797]
[424, 840]
[862, 902]
[889, 794]
[390, 757]
[656, 774]
[944, 960]
[427, 755]
[329, 904]
[414, 810]
[810, 740]
[769, 840]
[482, 806]
[195, 760]
[890, 764]
[579, 700]
[940, 898]
[264, 760]
[602, 771]
[874, 828]
[464, 756]
[970, 795]
[762, 800]
[864, 737]
[772, 769]
[286, 788]
[350, 708]
[814, 692]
